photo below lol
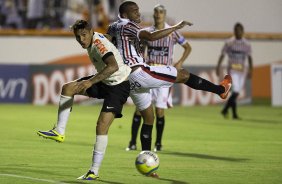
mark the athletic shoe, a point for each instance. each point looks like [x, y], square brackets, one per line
[226, 83]
[158, 147]
[89, 176]
[154, 175]
[224, 114]
[237, 118]
[52, 134]
[131, 147]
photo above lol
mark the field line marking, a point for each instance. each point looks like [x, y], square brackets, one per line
[31, 178]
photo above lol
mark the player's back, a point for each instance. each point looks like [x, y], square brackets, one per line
[124, 35]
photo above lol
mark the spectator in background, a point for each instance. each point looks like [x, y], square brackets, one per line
[10, 18]
[238, 49]
[76, 9]
[35, 14]
[100, 18]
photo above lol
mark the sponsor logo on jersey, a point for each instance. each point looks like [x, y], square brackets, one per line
[101, 47]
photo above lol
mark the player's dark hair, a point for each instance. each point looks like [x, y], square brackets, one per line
[123, 7]
[238, 25]
[80, 24]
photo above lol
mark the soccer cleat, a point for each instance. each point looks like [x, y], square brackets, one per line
[158, 147]
[226, 83]
[89, 176]
[131, 147]
[224, 114]
[52, 134]
[154, 175]
[237, 118]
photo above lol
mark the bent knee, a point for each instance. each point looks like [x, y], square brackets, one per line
[182, 75]
[68, 88]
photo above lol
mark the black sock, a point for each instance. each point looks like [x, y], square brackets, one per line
[146, 137]
[231, 103]
[234, 105]
[160, 128]
[136, 121]
[199, 83]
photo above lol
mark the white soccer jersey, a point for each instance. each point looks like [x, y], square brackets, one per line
[125, 37]
[160, 52]
[237, 51]
[100, 49]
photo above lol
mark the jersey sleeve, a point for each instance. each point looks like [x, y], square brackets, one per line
[131, 30]
[102, 45]
[179, 38]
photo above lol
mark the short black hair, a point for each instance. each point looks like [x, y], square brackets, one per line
[238, 25]
[80, 24]
[124, 5]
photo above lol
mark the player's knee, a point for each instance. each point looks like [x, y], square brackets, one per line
[182, 75]
[160, 112]
[67, 89]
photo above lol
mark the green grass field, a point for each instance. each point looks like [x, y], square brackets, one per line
[200, 147]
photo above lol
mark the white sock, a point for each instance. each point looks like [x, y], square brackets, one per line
[99, 152]
[65, 105]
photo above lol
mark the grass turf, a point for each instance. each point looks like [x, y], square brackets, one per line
[199, 146]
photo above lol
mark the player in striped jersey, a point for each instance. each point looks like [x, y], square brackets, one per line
[159, 52]
[127, 34]
[238, 49]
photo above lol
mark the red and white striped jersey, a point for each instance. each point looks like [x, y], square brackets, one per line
[160, 52]
[237, 51]
[125, 37]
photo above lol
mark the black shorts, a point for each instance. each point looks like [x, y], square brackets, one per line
[114, 96]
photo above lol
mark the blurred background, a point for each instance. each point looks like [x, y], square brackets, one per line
[38, 52]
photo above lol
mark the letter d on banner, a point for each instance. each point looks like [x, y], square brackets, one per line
[41, 95]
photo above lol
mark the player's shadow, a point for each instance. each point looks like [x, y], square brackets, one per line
[100, 181]
[266, 121]
[204, 156]
[174, 181]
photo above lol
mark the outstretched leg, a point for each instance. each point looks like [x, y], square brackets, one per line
[69, 90]
[199, 83]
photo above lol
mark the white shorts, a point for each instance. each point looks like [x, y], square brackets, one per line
[148, 77]
[238, 80]
[162, 97]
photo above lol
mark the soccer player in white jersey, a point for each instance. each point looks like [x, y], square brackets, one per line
[238, 49]
[126, 34]
[159, 52]
[110, 83]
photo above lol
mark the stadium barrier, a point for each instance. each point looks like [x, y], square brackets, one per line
[194, 35]
[41, 85]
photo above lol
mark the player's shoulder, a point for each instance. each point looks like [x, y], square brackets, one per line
[99, 36]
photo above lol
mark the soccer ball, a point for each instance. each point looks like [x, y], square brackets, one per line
[147, 162]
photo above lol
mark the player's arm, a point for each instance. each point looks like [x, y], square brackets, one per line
[250, 72]
[111, 67]
[187, 50]
[152, 36]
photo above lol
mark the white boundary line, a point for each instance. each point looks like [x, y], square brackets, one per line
[31, 178]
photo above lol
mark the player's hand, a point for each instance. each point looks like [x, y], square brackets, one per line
[82, 86]
[183, 23]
